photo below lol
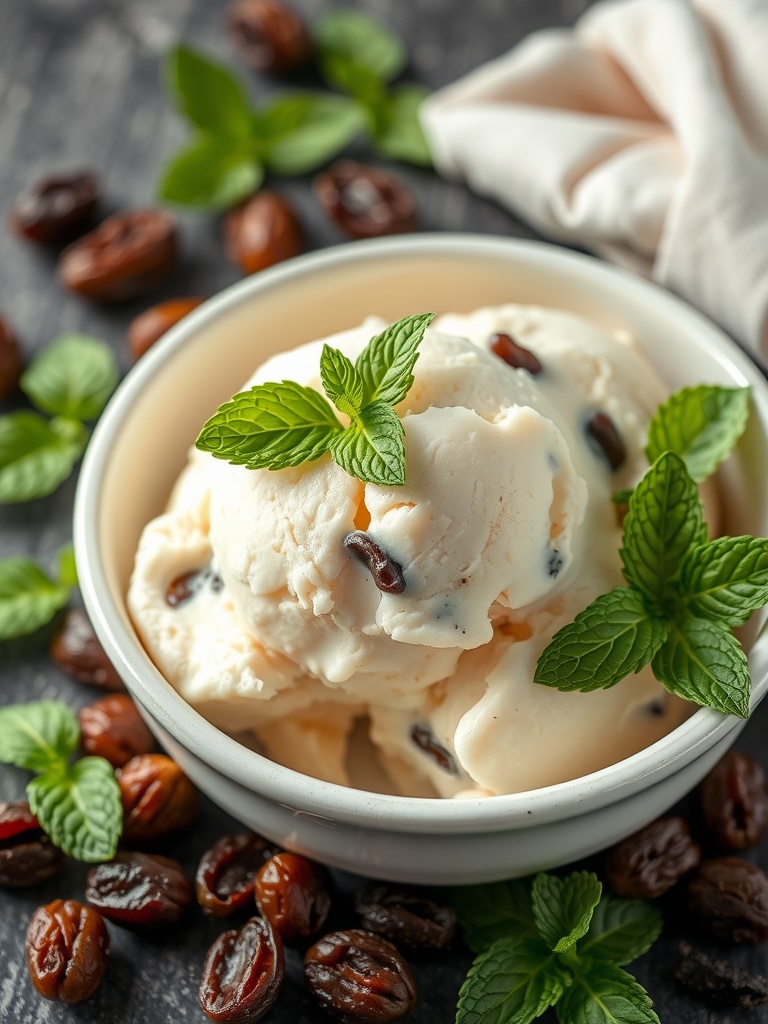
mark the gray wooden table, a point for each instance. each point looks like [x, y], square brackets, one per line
[80, 86]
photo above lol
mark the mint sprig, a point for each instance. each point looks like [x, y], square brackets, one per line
[77, 804]
[551, 941]
[278, 425]
[29, 597]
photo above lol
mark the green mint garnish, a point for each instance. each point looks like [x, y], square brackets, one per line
[684, 592]
[71, 381]
[277, 425]
[77, 804]
[553, 941]
[29, 598]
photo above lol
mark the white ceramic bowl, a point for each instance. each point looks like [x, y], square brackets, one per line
[140, 445]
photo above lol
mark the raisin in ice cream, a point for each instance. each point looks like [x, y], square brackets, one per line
[258, 595]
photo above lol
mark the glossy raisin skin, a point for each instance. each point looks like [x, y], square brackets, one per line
[139, 891]
[651, 861]
[157, 797]
[406, 917]
[242, 974]
[149, 326]
[365, 202]
[729, 897]
[112, 728]
[604, 437]
[56, 209]
[67, 950]
[734, 802]
[27, 856]
[358, 976]
[77, 651]
[262, 231]
[268, 35]
[11, 363]
[128, 255]
[513, 354]
[294, 895]
[227, 872]
[386, 572]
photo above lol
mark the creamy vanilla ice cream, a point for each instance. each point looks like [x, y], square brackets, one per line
[255, 610]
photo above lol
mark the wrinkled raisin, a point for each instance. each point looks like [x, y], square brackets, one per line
[112, 728]
[56, 209]
[157, 797]
[27, 856]
[184, 588]
[145, 329]
[426, 740]
[227, 873]
[77, 651]
[262, 231]
[729, 896]
[734, 801]
[605, 440]
[652, 860]
[242, 974]
[365, 201]
[293, 894]
[387, 573]
[67, 950]
[406, 916]
[139, 891]
[268, 35]
[519, 358]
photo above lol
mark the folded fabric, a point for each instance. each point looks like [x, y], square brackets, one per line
[641, 134]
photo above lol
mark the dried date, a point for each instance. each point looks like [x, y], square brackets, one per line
[157, 797]
[407, 917]
[112, 728]
[242, 974]
[293, 894]
[652, 860]
[268, 35]
[734, 802]
[365, 201]
[56, 209]
[227, 873]
[358, 976]
[77, 651]
[729, 897]
[262, 231]
[149, 326]
[718, 982]
[126, 256]
[138, 891]
[27, 856]
[67, 950]
[11, 363]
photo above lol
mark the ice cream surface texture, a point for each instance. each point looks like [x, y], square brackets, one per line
[251, 605]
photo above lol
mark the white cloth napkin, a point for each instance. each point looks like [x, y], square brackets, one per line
[641, 134]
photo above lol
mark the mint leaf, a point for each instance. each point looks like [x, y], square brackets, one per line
[67, 567]
[38, 736]
[73, 377]
[210, 173]
[702, 661]
[341, 381]
[28, 598]
[605, 995]
[300, 133]
[563, 907]
[386, 363]
[494, 911]
[348, 37]
[699, 424]
[665, 519]
[208, 94]
[371, 448]
[397, 132]
[270, 427]
[79, 807]
[727, 579]
[621, 930]
[36, 455]
[612, 638]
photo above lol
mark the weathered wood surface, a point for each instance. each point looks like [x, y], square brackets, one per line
[80, 86]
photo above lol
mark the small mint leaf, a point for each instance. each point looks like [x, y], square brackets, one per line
[210, 173]
[398, 133]
[612, 638]
[80, 809]
[67, 567]
[371, 448]
[208, 94]
[349, 37]
[272, 426]
[39, 736]
[563, 907]
[664, 521]
[700, 425]
[702, 661]
[605, 995]
[299, 133]
[72, 377]
[342, 383]
[622, 497]
[28, 597]
[726, 580]
[36, 455]
[512, 982]
[386, 363]
[494, 911]
[621, 930]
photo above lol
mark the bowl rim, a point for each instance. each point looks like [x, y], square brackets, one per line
[338, 803]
